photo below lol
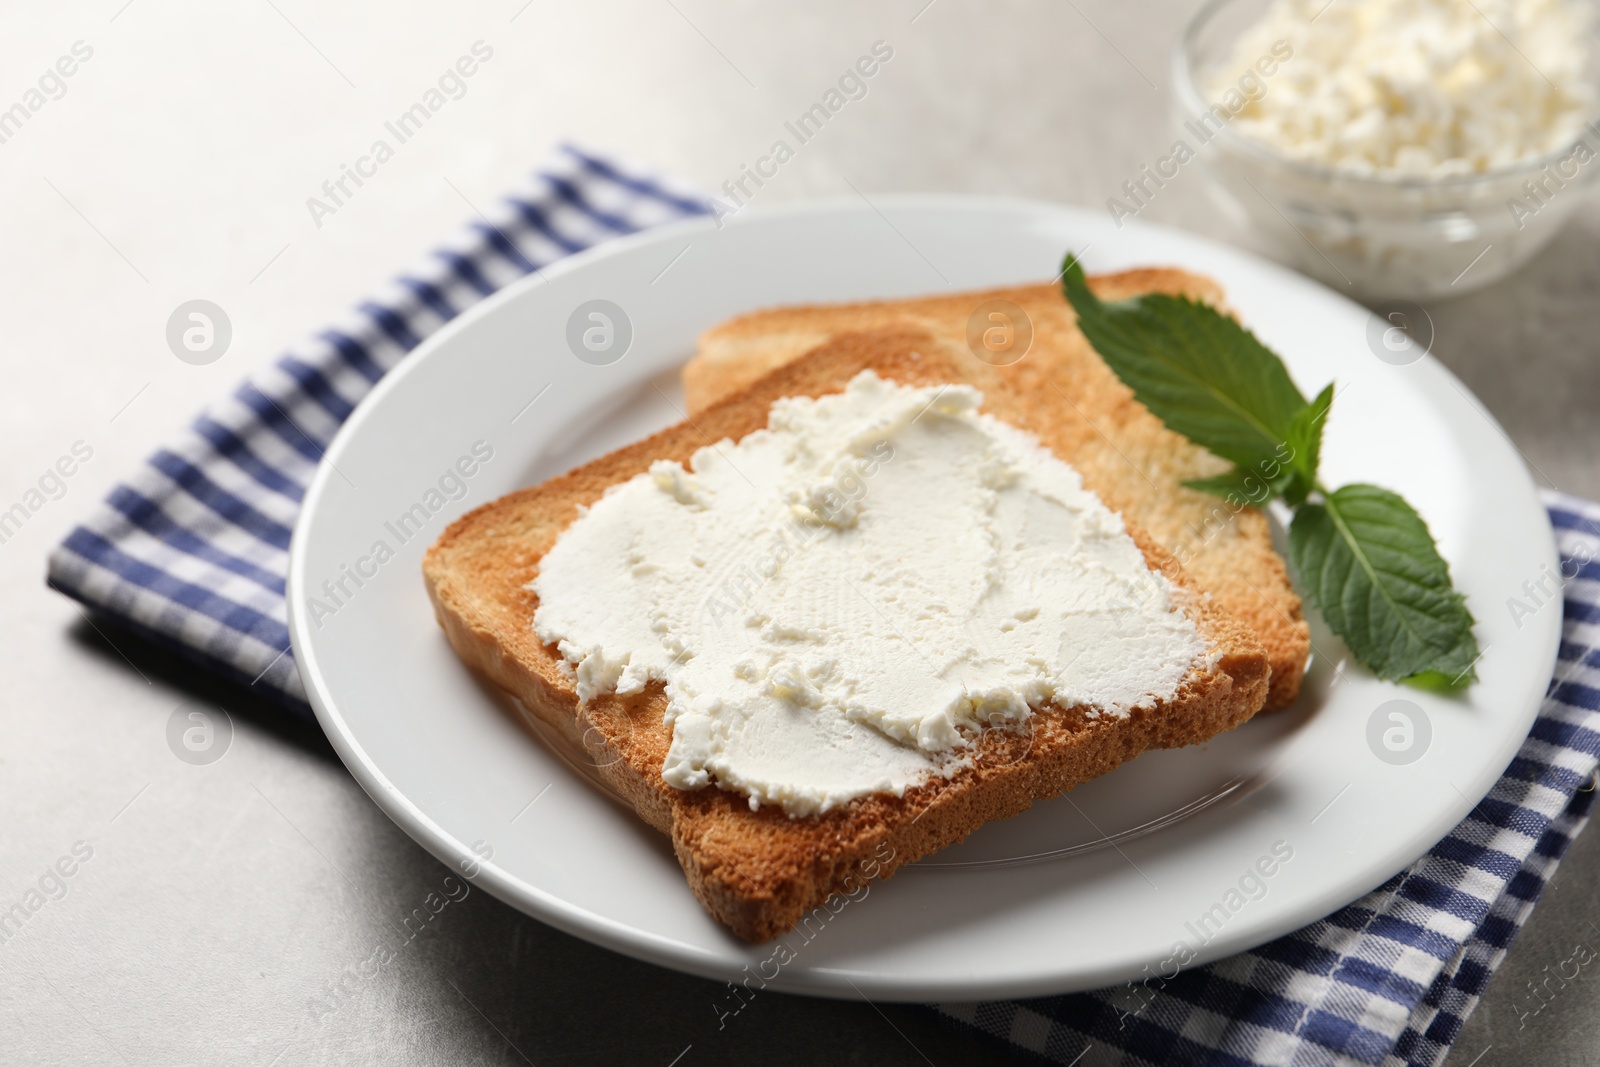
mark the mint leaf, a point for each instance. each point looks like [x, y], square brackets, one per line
[1291, 473]
[1243, 486]
[1197, 370]
[1304, 440]
[1366, 559]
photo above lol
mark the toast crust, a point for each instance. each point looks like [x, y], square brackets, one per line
[760, 872]
[1068, 398]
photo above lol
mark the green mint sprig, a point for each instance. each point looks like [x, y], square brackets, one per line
[1363, 555]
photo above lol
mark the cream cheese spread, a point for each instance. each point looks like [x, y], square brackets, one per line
[1430, 88]
[839, 603]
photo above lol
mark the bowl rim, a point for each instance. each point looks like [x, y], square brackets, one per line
[1193, 103]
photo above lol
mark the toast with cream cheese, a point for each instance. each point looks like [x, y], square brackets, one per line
[760, 870]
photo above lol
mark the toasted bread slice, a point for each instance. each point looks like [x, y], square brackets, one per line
[760, 872]
[1072, 402]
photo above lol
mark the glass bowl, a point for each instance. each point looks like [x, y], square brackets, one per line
[1374, 237]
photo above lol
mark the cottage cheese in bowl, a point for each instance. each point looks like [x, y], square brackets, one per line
[1425, 88]
[1408, 148]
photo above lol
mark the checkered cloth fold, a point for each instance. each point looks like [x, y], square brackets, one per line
[192, 551]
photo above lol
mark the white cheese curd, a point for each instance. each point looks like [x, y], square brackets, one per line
[1428, 88]
[837, 604]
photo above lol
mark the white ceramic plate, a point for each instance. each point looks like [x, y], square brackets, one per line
[1080, 892]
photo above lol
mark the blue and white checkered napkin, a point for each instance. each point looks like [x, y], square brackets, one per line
[193, 551]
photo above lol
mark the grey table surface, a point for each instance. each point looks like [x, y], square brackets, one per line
[225, 908]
